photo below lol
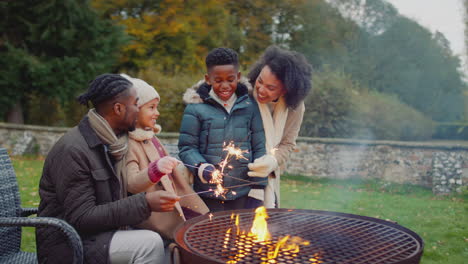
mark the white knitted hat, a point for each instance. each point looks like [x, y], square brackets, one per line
[145, 92]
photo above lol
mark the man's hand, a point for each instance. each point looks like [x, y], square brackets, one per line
[161, 201]
[262, 166]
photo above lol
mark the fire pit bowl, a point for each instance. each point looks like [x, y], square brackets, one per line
[333, 238]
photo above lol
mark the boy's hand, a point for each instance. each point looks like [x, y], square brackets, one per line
[161, 201]
[205, 172]
[263, 166]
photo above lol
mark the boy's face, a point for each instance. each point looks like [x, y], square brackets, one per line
[223, 79]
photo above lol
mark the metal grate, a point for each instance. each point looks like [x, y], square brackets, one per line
[333, 237]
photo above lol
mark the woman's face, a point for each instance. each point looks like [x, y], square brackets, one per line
[148, 114]
[269, 88]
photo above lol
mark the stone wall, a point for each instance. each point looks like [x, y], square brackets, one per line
[442, 166]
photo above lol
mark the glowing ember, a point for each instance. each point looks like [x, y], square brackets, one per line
[315, 259]
[226, 238]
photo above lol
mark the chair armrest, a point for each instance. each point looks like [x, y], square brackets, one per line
[71, 234]
[28, 211]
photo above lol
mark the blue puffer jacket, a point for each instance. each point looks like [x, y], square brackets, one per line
[207, 128]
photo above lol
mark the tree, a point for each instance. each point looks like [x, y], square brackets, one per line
[420, 68]
[373, 16]
[170, 35]
[52, 49]
[466, 37]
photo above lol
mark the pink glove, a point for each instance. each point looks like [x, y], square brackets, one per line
[167, 164]
[161, 167]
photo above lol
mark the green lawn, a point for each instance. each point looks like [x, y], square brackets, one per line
[442, 222]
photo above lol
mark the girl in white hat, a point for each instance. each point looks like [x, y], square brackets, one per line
[150, 168]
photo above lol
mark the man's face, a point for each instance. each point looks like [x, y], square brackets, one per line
[130, 115]
[223, 79]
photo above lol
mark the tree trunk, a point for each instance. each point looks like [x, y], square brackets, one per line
[15, 114]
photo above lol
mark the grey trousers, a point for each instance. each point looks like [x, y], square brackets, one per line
[136, 246]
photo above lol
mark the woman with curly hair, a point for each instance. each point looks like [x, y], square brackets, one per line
[281, 81]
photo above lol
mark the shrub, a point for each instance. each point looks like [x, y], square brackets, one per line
[339, 107]
[383, 116]
[453, 131]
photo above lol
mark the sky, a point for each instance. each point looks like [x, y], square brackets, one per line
[445, 16]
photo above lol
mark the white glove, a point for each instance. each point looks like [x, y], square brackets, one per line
[263, 166]
[167, 164]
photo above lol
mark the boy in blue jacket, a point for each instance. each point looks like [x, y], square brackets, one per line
[219, 112]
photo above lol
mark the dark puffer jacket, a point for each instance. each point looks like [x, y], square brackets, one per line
[79, 185]
[207, 127]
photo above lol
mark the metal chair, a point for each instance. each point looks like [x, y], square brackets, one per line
[13, 217]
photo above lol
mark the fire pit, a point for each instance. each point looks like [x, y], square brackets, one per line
[320, 237]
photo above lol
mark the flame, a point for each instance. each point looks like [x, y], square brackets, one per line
[288, 244]
[210, 216]
[259, 226]
[234, 241]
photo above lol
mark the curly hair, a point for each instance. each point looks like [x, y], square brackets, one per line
[104, 88]
[221, 56]
[291, 68]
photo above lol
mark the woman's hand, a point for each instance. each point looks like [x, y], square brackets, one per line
[263, 166]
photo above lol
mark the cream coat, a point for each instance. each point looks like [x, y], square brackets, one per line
[140, 154]
[283, 152]
[281, 131]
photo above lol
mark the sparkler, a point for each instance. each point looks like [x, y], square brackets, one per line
[218, 175]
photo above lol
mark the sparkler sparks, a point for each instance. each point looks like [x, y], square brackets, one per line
[217, 175]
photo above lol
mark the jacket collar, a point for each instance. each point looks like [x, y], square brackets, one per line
[88, 133]
[199, 92]
[141, 134]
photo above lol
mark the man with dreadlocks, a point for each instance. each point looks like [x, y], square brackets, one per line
[83, 183]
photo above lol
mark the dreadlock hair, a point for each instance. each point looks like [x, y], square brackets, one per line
[221, 56]
[104, 88]
[291, 68]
